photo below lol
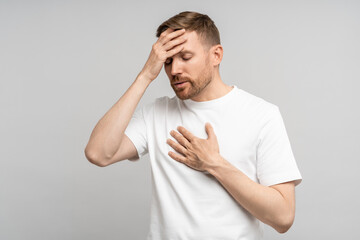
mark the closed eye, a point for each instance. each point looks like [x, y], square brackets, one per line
[168, 61]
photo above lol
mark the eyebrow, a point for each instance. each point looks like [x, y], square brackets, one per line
[186, 51]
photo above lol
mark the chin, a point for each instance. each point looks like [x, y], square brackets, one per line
[187, 92]
[185, 95]
[182, 96]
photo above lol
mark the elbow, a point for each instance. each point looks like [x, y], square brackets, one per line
[282, 229]
[284, 224]
[94, 158]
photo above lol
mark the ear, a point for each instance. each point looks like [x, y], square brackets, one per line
[217, 54]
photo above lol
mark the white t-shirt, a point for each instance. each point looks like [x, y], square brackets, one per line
[189, 204]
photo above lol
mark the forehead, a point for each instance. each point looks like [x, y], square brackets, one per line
[193, 42]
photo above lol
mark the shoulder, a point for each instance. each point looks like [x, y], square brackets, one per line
[159, 104]
[166, 99]
[255, 104]
[166, 102]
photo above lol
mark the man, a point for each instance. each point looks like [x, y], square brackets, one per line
[220, 157]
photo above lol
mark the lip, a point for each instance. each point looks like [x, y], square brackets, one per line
[179, 84]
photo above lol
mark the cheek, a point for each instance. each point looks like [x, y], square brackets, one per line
[192, 66]
[167, 70]
[197, 68]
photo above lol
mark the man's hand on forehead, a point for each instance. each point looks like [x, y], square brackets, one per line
[172, 38]
[170, 43]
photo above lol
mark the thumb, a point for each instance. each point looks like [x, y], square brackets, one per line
[209, 130]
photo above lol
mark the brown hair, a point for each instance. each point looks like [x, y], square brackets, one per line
[193, 21]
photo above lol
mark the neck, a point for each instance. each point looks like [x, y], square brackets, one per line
[215, 89]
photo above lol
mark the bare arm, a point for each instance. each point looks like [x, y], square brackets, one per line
[274, 205]
[108, 133]
[107, 143]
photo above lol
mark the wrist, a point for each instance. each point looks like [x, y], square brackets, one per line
[218, 164]
[142, 77]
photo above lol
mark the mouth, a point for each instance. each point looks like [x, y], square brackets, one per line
[179, 84]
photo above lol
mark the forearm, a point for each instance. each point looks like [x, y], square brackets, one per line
[265, 203]
[107, 135]
[109, 131]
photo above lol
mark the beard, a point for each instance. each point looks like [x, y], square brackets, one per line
[193, 87]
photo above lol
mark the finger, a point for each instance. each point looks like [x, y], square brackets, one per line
[166, 32]
[187, 134]
[174, 51]
[180, 138]
[177, 41]
[177, 157]
[210, 131]
[168, 37]
[174, 34]
[177, 147]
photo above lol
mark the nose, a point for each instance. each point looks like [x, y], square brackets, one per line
[175, 67]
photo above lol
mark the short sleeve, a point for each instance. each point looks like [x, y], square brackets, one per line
[275, 160]
[136, 132]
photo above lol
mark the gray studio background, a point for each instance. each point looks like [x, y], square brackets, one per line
[63, 64]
